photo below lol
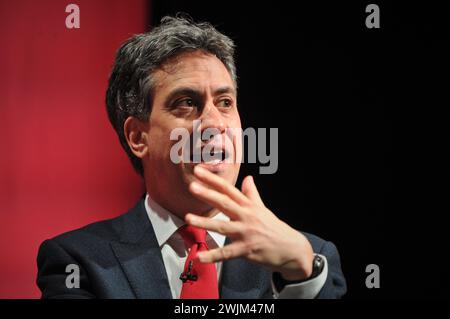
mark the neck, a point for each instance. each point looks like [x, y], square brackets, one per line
[180, 206]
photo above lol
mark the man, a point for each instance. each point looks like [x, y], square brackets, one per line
[163, 81]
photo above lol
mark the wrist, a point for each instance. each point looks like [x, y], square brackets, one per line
[298, 270]
[304, 274]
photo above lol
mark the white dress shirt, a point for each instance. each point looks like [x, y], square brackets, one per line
[174, 253]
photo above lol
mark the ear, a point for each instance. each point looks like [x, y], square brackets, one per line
[136, 133]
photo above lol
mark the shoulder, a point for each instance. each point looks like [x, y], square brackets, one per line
[95, 234]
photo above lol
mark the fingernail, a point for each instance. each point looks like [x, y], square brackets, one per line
[190, 218]
[199, 170]
[200, 257]
[195, 187]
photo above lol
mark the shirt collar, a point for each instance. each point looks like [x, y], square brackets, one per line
[165, 224]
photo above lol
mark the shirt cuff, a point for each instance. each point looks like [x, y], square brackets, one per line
[308, 289]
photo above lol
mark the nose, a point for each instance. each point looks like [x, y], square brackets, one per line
[212, 118]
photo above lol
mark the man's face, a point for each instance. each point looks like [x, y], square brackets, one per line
[194, 86]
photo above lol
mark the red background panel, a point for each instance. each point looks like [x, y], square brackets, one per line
[61, 165]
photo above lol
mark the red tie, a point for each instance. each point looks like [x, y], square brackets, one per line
[199, 280]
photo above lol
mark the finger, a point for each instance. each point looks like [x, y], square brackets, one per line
[230, 251]
[217, 200]
[219, 184]
[249, 189]
[219, 226]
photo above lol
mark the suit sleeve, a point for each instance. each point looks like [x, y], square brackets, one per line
[52, 261]
[335, 285]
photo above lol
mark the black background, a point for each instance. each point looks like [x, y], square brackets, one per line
[363, 137]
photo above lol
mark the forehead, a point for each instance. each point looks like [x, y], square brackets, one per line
[194, 69]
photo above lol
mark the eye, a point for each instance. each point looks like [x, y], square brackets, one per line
[226, 103]
[186, 102]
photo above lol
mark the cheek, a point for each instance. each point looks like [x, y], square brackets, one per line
[159, 142]
[160, 148]
[235, 121]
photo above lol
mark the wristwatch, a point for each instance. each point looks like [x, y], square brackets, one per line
[280, 282]
[318, 264]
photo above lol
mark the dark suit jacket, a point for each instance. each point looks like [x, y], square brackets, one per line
[120, 258]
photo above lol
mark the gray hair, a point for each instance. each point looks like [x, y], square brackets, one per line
[131, 81]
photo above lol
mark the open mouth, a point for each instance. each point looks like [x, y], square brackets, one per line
[213, 157]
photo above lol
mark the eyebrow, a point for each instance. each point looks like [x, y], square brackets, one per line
[196, 93]
[225, 89]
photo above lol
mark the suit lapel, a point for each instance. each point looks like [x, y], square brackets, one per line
[140, 257]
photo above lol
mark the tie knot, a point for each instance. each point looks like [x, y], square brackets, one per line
[193, 234]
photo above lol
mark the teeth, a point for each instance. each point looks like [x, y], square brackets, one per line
[214, 162]
[210, 158]
[214, 158]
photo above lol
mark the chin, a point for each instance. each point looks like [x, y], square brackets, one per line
[227, 171]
